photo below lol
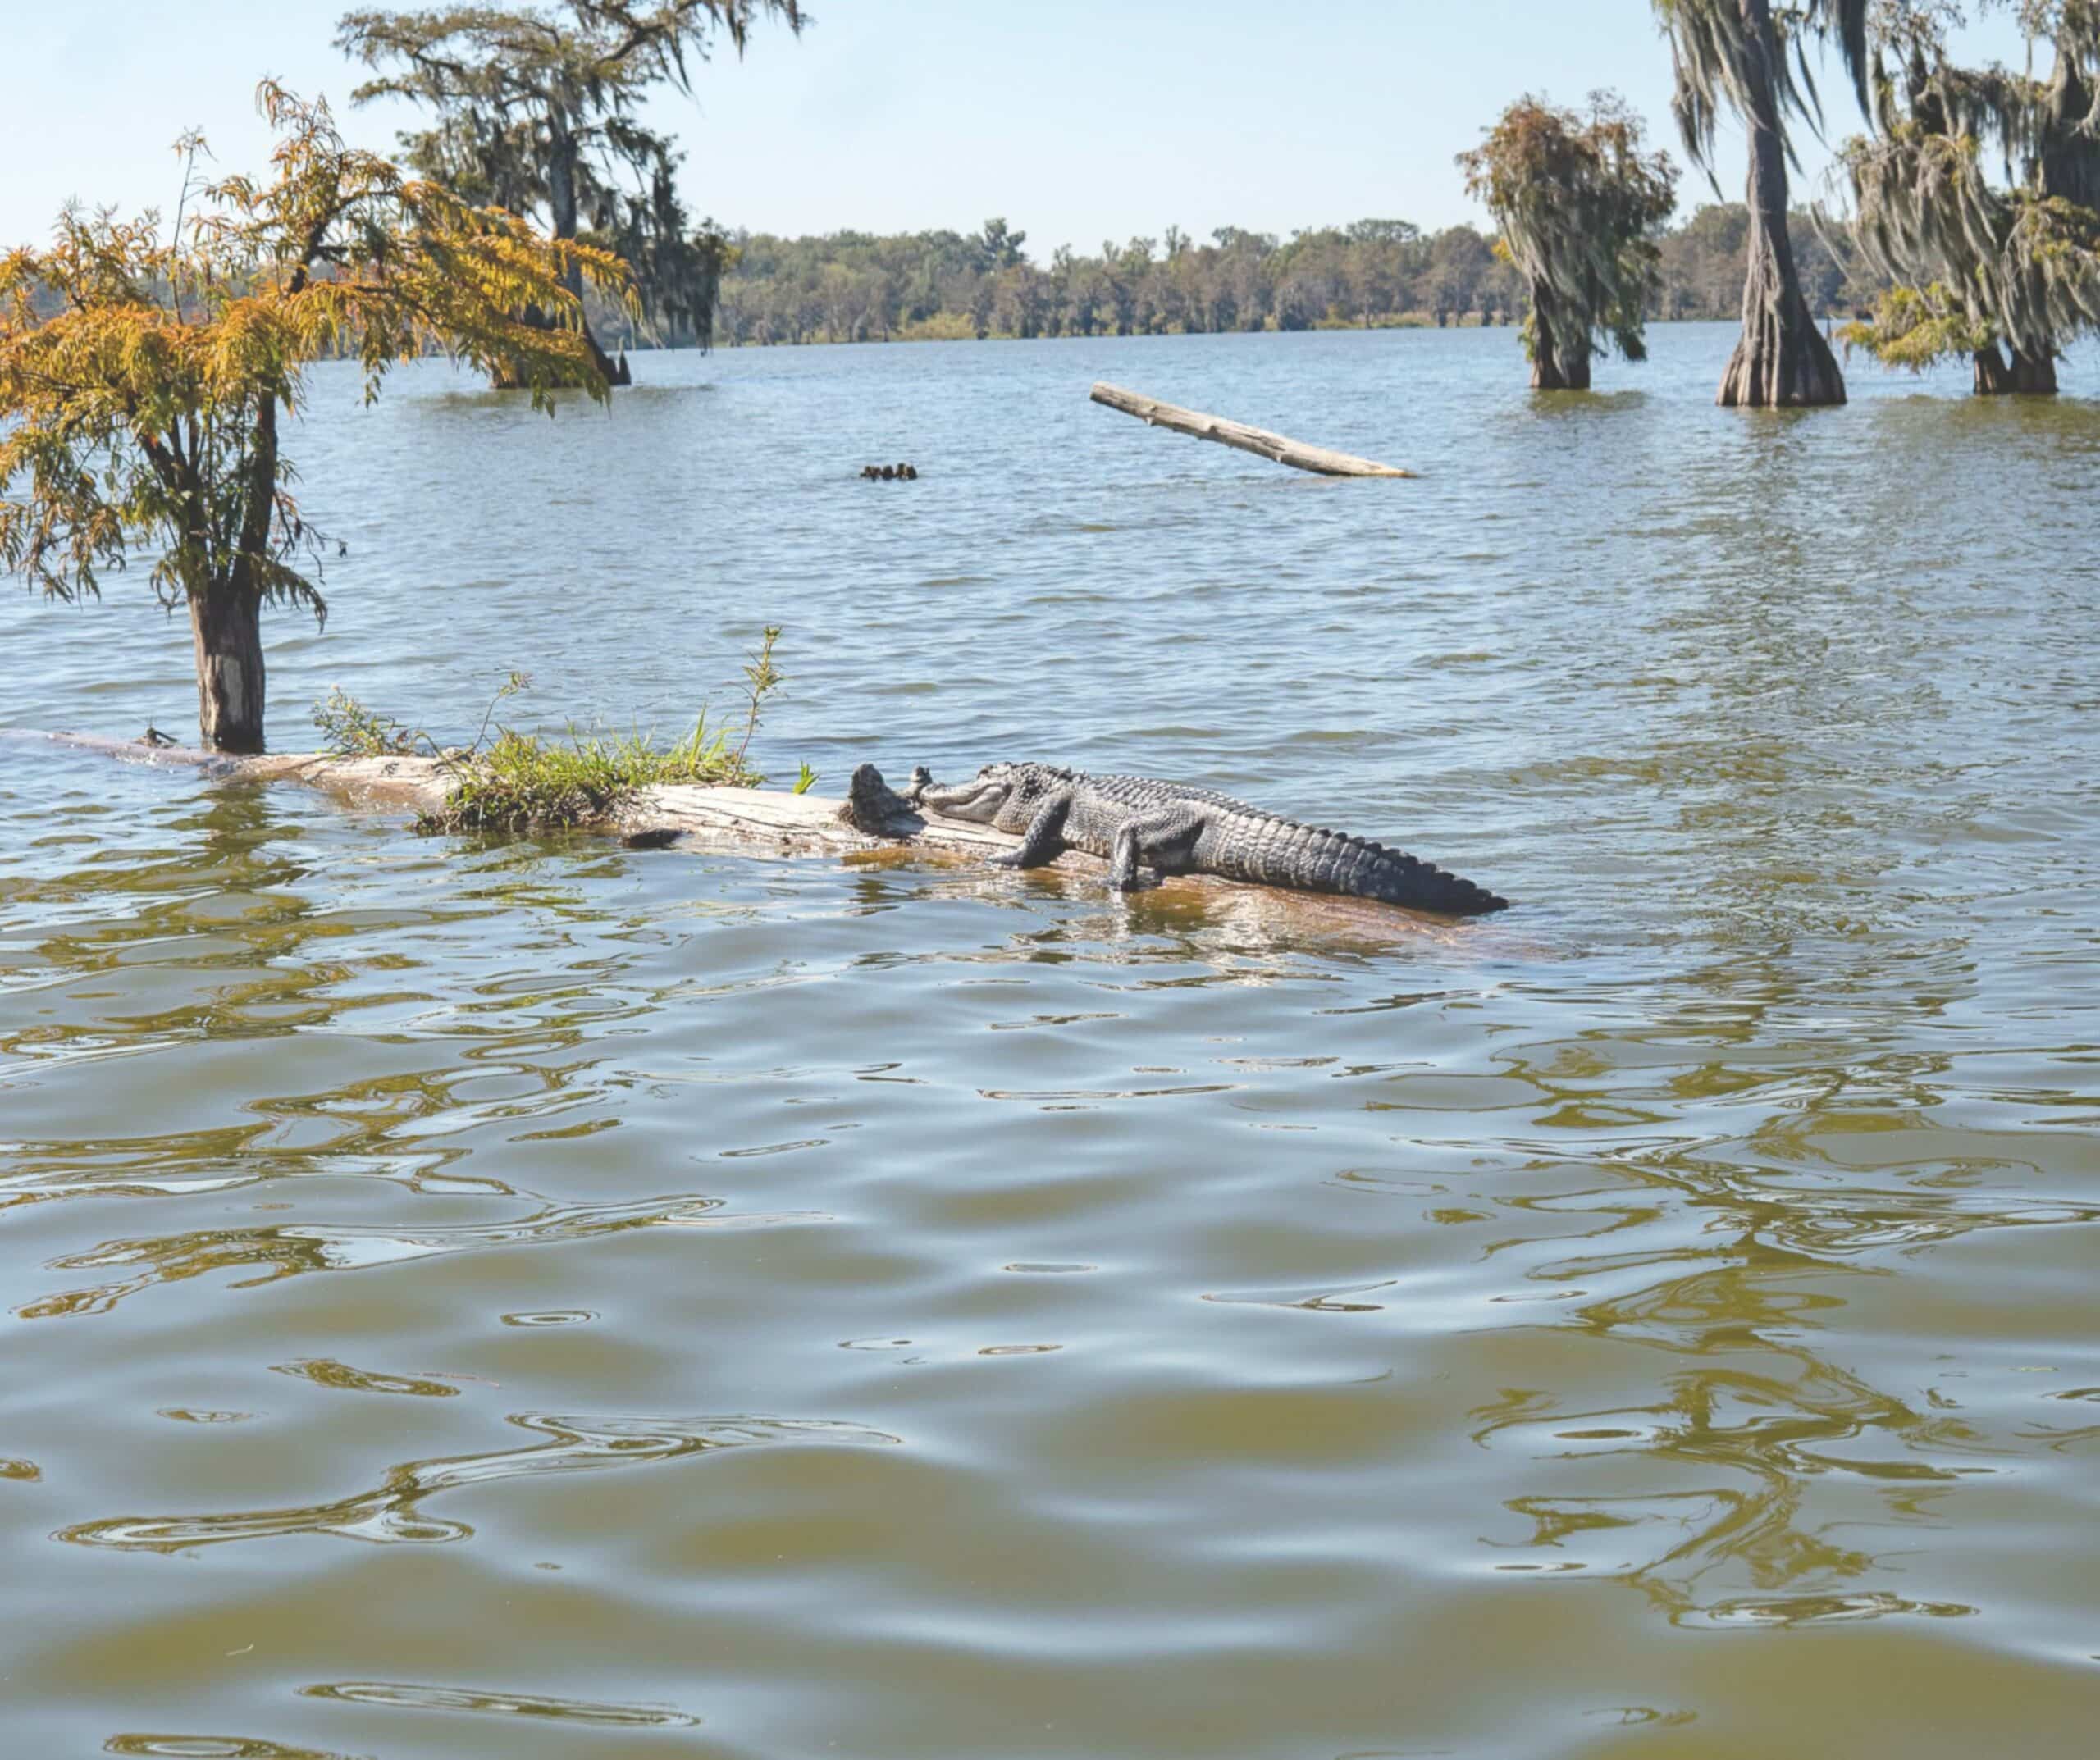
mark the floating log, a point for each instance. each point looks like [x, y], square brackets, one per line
[746, 820]
[872, 823]
[1282, 449]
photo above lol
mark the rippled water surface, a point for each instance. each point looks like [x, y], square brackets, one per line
[531, 1298]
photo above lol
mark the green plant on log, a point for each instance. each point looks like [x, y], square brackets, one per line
[348, 729]
[351, 729]
[521, 781]
[1580, 205]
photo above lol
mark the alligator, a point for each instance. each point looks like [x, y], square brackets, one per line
[1136, 822]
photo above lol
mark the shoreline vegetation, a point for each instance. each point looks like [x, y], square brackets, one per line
[948, 286]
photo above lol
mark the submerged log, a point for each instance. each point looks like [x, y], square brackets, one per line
[1277, 447]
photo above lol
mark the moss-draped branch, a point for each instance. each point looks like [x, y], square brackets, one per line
[536, 111]
[1579, 203]
[1975, 260]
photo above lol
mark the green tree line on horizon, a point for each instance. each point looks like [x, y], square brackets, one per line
[851, 286]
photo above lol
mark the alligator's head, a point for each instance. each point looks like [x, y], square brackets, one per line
[1004, 795]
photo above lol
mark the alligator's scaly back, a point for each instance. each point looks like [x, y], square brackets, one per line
[1134, 821]
[1244, 842]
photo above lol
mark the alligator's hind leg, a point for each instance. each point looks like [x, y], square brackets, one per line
[1044, 840]
[1163, 841]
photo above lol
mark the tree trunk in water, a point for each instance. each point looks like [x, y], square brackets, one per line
[1782, 360]
[615, 372]
[226, 627]
[1546, 375]
[561, 206]
[2028, 375]
[1558, 364]
[2033, 375]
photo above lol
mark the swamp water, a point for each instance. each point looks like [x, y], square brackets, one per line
[530, 1299]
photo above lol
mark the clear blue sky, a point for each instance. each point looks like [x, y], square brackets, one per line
[1080, 120]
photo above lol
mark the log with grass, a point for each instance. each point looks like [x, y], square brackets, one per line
[870, 824]
[576, 786]
[1278, 447]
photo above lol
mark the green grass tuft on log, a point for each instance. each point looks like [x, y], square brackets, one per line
[521, 782]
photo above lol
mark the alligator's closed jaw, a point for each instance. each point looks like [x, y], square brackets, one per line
[1137, 823]
[977, 801]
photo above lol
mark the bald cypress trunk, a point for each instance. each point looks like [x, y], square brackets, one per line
[614, 371]
[562, 213]
[226, 628]
[2025, 376]
[2033, 375]
[2064, 170]
[1782, 360]
[1546, 375]
[1560, 352]
[226, 608]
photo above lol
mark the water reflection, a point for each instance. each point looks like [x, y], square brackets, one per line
[392, 1511]
[326, 1372]
[212, 1748]
[282, 1250]
[589, 1713]
[1288, 1313]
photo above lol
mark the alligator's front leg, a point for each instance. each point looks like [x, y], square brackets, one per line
[1165, 841]
[1044, 840]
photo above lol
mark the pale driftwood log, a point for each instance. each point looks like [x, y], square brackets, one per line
[764, 821]
[736, 820]
[422, 783]
[1278, 447]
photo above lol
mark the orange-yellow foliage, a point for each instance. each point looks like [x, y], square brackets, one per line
[141, 375]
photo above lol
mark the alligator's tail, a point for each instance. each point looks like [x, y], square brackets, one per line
[1399, 878]
[1363, 869]
[1316, 859]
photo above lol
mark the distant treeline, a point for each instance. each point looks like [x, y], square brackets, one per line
[859, 287]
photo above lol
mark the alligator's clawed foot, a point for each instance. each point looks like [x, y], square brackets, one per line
[1144, 880]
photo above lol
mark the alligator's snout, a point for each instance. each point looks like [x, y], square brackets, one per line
[978, 800]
